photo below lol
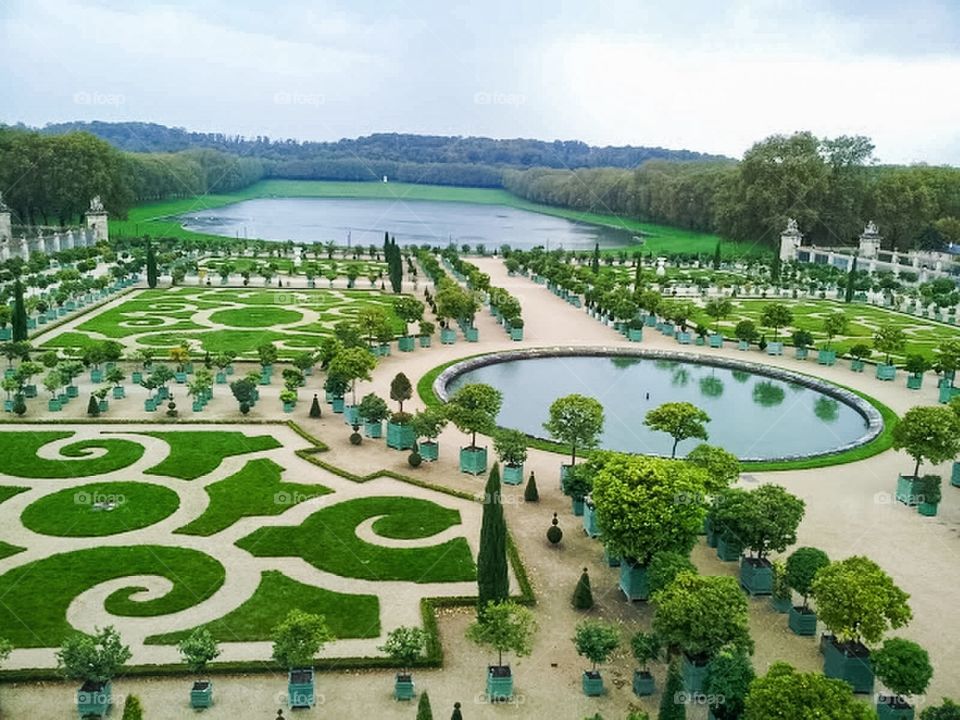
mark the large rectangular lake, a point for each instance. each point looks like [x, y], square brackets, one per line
[412, 222]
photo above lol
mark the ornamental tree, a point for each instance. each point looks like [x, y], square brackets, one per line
[400, 389]
[889, 339]
[96, 659]
[903, 666]
[353, 364]
[728, 679]
[504, 626]
[700, 614]
[834, 324]
[577, 421]
[718, 309]
[428, 423]
[493, 581]
[928, 433]
[646, 648]
[802, 567]
[948, 356]
[373, 408]
[746, 330]
[858, 601]
[786, 694]
[948, 711]
[510, 446]
[680, 420]
[596, 640]
[722, 468]
[404, 645]
[762, 520]
[648, 505]
[474, 408]
[664, 568]
[298, 639]
[408, 309]
[776, 316]
[198, 650]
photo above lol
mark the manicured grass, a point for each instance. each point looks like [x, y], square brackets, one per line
[157, 219]
[34, 597]
[255, 317]
[19, 452]
[327, 540]
[194, 453]
[8, 491]
[73, 512]
[255, 490]
[347, 616]
[6, 549]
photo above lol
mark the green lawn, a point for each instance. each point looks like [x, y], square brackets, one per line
[34, 597]
[156, 218]
[6, 549]
[8, 491]
[18, 448]
[255, 490]
[328, 541]
[194, 453]
[347, 616]
[74, 512]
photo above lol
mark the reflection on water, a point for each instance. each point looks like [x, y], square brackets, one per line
[750, 419]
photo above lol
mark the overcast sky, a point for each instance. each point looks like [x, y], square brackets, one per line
[697, 74]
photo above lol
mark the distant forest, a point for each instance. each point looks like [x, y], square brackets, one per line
[831, 186]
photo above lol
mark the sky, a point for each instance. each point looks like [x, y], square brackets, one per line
[697, 74]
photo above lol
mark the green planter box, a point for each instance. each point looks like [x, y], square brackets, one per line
[633, 580]
[150, 404]
[907, 490]
[384, 349]
[728, 550]
[181, 377]
[104, 405]
[914, 382]
[516, 333]
[801, 353]
[827, 357]
[300, 688]
[716, 340]
[743, 345]
[576, 505]
[198, 406]
[643, 684]
[592, 683]
[30, 391]
[802, 622]
[406, 344]
[351, 414]
[221, 378]
[337, 404]
[52, 405]
[635, 334]
[94, 698]
[756, 576]
[700, 341]
[430, 451]
[373, 429]
[73, 391]
[650, 321]
[667, 329]
[201, 696]
[694, 674]
[610, 559]
[473, 460]
[472, 334]
[851, 664]
[512, 474]
[6, 333]
[927, 509]
[857, 365]
[403, 687]
[499, 683]
[96, 376]
[448, 336]
[400, 437]
[8, 405]
[775, 348]
[781, 605]
[424, 341]
[955, 475]
[684, 338]
[288, 407]
[886, 372]
[136, 377]
[590, 525]
[890, 708]
[119, 393]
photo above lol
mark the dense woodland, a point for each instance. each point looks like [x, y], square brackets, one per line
[831, 186]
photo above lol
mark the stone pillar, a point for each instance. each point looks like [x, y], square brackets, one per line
[790, 240]
[97, 221]
[4, 249]
[23, 249]
[661, 266]
[53, 244]
[66, 243]
[870, 241]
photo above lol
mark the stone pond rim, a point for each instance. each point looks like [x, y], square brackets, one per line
[865, 409]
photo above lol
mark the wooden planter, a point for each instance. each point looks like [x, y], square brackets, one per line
[221, 378]
[373, 429]
[827, 357]
[743, 345]
[592, 683]
[643, 684]
[715, 340]
[849, 662]
[684, 338]
[694, 673]
[94, 698]
[886, 372]
[914, 381]
[400, 437]
[775, 348]
[448, 336]
[635, 334]
[351, 414]
[472, 334]
[610, 559]
[499, 683]
[781, 605]
[430, 450]
[633, 580]
[728, 550]
[119, 393]
[473, 460]
[801, 353]
[104, 405]
[802, 621]
[890, 707]
[150, 404]
[73, 391]
[96, 376]
[406, 344]
[512, 474]
[403, 687]
[516, 333]
[287, 407]
[424, 341]
[576, 505]
[955, 475]
[927, 509]
[907, 490]
[300, 688]
[756, 576]
[590, 525]
[337, 404]
[201, 696]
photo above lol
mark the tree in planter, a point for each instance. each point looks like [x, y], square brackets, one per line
[116, 376]
[728, 680]
[373, 408]
[596, 640]
[244, 390]
[721, 467]
[511, 448]
[93, 659]
[917, 365]
[582, 594]
[426, 328]
[298, 639]
[700, 614]
[493, 582]
[198, 650]
[304, 361]
[646, 649]
[577, 421]
[776, 316]
[665, 567]
[904, 667]
[718, 309]
[504, 626]
[400, 389]
[746, 331]
[428, 423]
[787, 694]
[889, 339]
[474, 408]
[404, 645]
[860, 352]
[948, 711]
[802, 339]
[408, 309]
[928, 433]
[834, 324]
[801, 568]
[353, 365]
[267, 354]
[680, 420]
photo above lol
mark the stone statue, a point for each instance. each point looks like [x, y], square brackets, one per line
[871, 229]
[3, 207]
[792, 228]
[95, 204]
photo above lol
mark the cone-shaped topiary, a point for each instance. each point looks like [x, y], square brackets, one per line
[132, 709]
[671, 705]
[554, 533]
[530, 492]
[93, 407]
[457, 715]
[423, 707]
[492, 579]
[582, 595]
[315, 407]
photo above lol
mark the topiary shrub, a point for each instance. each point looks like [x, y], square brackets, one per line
[93, 407]
[671, 702]
[355, 438]
[530, 492]
[554, 533]
[244, 408]
[582, 595]
[315, 407]
[414, 459]
[19, 406]
[423, 707]
[132, 710]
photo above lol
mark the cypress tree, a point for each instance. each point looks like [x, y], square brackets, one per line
[93, 407]
[492, 581]
[151, 265]
[315, 407]
[596, 259]
[457, 715]
[582, 595]
[530, 492]
[19, 321]
[716, 256]
[775, 268]
[848, 292]
[670, 706]
[423, 707]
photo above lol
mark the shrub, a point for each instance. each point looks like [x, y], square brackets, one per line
[582, 595]
[132, 710]
[414, 459]
[530, 492]
[423, 707]
[670, 708]
[554, 533]
[355, 438]
[315, 407]
[801, 567]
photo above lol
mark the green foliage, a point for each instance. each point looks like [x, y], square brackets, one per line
[857, 601]
[596, 640]
[929, 489]
[298, 639]
[578, 481]
[132, 709]
[646, 648]
[474, 408]
[860, 351]
[762, 520]
[746, 330]
[636, 501]
[722, 467]
[19, 320]
[948, 711]
[664, 568]
[19, 452]
[577, 421]
[504, 626]
[835, 323]
[96, 658]
[423, 707]
[373, 408]
[352, 364]
[670, 706]
[701, 614]
[729, 675]
[428, 423]
[928, 433]
[802, 567]
[790, 695]
[903, 666]
[530, 492]
[889, 339]
[315, 411]
[554, 533]
[93, 407]
[582, 595]
[776, 315]
[400, 389]
[404, 645]
[198, 650]
[510, 446]
[680, 420]
[493, 581]
[781, 585]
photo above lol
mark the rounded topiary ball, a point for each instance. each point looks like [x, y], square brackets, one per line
[414, 459]
[355, 438]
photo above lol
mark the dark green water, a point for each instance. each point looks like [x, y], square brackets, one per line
[752, 416]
